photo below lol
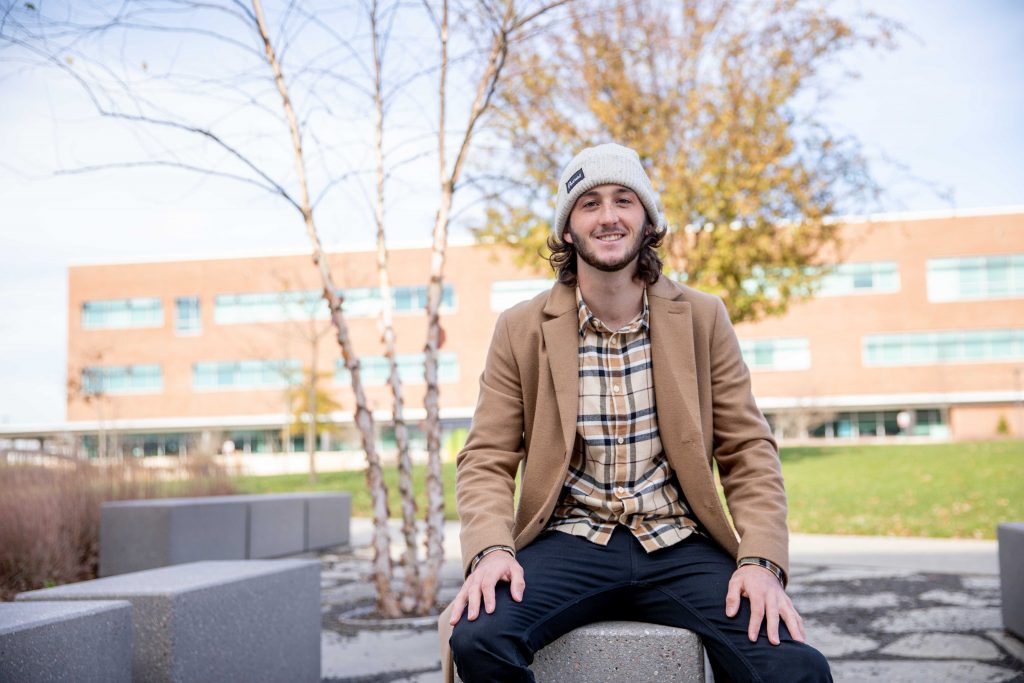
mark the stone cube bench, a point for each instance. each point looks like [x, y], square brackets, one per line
[1011, 571]
[615, 651]
[144, 534]
[248, 620]
[83, 642]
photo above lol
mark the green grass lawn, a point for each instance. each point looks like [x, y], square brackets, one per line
[958, 490]
[955, 490]
[355, 483]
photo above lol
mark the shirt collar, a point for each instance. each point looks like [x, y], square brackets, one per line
[586, 318]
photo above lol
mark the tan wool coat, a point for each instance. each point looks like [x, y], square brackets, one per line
[525, 420]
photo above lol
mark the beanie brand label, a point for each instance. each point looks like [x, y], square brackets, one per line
[574, 180]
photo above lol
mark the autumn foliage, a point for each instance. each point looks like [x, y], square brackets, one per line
[723, 101]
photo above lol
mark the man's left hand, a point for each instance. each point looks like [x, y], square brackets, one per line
[768, 602]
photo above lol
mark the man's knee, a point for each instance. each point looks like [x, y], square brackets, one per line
[484, 651]
[804, 663]
[464, 639]
[483, 636]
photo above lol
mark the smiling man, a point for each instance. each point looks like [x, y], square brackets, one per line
[614, 393]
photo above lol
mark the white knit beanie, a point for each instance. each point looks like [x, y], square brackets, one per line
[604, 164]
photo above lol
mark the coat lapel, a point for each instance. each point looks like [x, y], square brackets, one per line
[675, 369]
[561, 339]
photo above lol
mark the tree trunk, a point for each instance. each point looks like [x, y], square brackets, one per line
[386, 602]
[481, 101]
[435, 487]
[311, 405]
[410, 561]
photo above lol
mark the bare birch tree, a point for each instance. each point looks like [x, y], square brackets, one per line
[410, 560]
[507, 21]
[386, 601]
[489, 29]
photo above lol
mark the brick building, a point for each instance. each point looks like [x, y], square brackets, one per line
[919, 333]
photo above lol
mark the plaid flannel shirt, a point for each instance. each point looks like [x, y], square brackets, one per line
[618, 473]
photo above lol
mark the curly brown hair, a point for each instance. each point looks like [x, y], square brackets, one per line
[648, 263]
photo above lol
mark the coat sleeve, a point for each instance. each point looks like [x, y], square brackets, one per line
[486, 466]
[746, 452]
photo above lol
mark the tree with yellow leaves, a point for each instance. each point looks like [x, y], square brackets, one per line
[721, 100]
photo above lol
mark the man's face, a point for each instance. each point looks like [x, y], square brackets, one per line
[607, 226]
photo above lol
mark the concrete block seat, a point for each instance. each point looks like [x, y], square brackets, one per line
[83, 642]
[1011, 575]
[323, 512]
[615, 651]
[249, 620]
[144, 534]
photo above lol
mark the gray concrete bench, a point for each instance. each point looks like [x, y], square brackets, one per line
[144, 534]
[86, 642]
[615, 651]
[249, 620]
[1011, 569]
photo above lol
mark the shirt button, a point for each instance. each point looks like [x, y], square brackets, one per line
[620, 490]
[615, 388]
[621, 440]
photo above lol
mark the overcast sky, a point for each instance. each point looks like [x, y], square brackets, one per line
[943, 112]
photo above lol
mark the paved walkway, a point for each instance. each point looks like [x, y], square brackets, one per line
[881, 609]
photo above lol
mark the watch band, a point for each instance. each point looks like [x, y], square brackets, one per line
[764, 564]
[487, 551]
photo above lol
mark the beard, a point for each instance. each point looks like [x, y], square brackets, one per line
[587, 255]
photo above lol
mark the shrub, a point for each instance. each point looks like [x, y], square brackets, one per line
[1002, 426]
[50, 515]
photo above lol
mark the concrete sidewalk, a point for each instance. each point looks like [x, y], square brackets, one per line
[942, 555]
[939, 555]
[881, 609]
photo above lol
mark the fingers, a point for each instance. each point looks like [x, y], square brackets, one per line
[795, 623]
[474, 601]
[518, 583]
[756, 617]
[488, 593]
[458, 604]
[771, 617]
[732, 599]
[768, 604]
[480, 586]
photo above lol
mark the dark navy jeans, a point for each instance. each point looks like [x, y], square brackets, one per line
[571, 581]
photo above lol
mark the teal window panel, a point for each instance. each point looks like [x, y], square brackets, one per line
[187, 315]
[971, 278]
[776, 354]
[123, 379]
[122, 313]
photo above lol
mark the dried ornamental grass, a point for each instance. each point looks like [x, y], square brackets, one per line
[50, 516]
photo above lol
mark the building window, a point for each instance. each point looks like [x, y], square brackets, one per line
[776, 354]
[871, 424]
[359, 302]
[262, 307]
[374, 370]
[878, 277]
[122, 379]
[187, 319]
[508, 293]
[976, 277]
[933, 348]
[365, 302]
[844, 279]
[256, 441]
[414, 299]
[245, 374]
[122, 313]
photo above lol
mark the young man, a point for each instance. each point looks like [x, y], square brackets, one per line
[613, 392]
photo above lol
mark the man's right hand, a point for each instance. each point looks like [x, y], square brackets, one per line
[494, 567]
